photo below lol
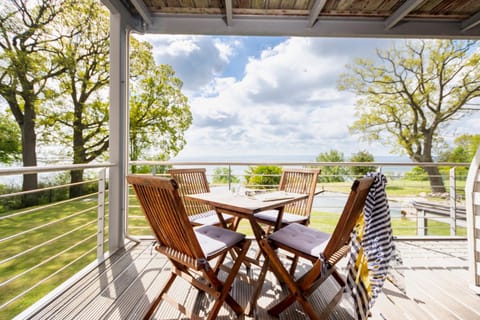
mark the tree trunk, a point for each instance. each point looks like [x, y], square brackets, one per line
[79, 156]
[29, 154]
[76, 190]
[436, 180]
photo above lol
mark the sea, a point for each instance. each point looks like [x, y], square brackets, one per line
[329, 201]
[289, 158]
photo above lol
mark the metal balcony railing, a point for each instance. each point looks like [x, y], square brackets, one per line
[405, 192]
[42, 246]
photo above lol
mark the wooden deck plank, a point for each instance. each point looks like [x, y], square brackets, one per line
[139, 294]
[394, 304]
[449, 299]
[115, 288]
[79, 295]
[419, 290]
[124, 286]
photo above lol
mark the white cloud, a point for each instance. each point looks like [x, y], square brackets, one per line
[197, 60]
[286, 101]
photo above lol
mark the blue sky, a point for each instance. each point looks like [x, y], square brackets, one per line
[256, 96]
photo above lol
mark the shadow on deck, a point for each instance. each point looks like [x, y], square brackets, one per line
[430, 284]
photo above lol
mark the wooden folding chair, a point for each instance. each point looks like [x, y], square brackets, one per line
[302, 181]
[322, 249]
[194, 181]
[189, 250]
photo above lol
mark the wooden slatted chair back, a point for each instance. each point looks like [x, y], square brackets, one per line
[191, 181]
[164, 210]
[351, 212]
[302, 181]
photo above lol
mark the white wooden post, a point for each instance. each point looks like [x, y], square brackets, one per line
[118, 131]
[101, 215]
[472, 197]
[422, 224]
[453, 202]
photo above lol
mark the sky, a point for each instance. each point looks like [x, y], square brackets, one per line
[264, 98]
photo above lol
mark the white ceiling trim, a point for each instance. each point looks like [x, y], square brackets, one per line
[116, 7]
[296, 26]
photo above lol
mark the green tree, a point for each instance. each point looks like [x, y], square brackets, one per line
[332, 173]
[362, 156]
[411, 93]
[10, 140]
[263, 177]
[465, 147]
[159, 111]
[416, 174]
[223, 176]
[26, 64]
[80, 110]
[464, 150]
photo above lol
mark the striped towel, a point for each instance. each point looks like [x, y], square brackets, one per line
[371, 249]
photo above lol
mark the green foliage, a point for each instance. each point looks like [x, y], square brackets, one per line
[75, 112]
[10, 140]
[159, 111]
[416, 174]
[362, 156]
[332, 173]
[222, 175]
[410, 93]
[464, 150]
[263, 176]
[465, 147]
[27, 64]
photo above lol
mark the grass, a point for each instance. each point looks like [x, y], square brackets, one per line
[80, 224]
[397, 187]
[84, 225]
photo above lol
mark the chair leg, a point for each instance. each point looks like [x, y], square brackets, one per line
[153, 307]
[282, 305]
[235, 223]
[293, 266]
[225, 287]
[283, 276]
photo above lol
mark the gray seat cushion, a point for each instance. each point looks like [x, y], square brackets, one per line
[271, 215]
[208, 218]
[302, 238]
[215, 239]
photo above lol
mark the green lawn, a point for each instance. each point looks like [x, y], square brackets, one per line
[73, 251]
[395, 187]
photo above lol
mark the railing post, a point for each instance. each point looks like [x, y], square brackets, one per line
[101, 215]
[421, 223]
[453, 202]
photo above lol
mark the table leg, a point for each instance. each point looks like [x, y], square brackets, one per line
[252, 304]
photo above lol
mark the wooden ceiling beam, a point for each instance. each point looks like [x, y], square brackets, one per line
[401, 13]
[142, 10]
[315, 12]
[228, 12]
[471, 22]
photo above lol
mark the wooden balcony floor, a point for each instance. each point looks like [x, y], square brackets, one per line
[432, 283]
